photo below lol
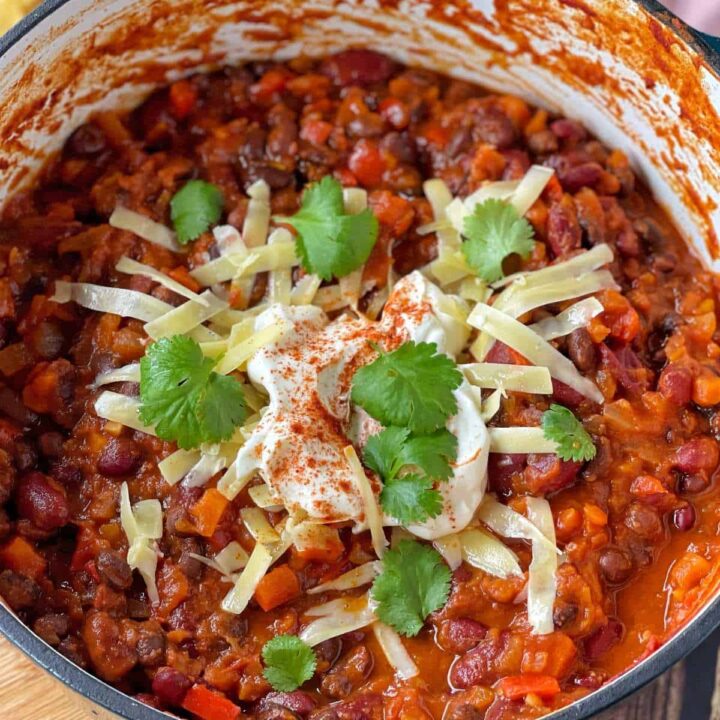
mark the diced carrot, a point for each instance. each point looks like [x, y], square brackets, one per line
[86, 547]
[487, 164]
[598, 330]
[516, 109]
[553, 190]
[538, 215]
[272, 82]
[517, 687]
[567, 523]
[687, 571]
[706, 389]
[310, 86]
[182, 275]
[325, 545]
[209, 705]
[701, 328]
[436, 135]
[393, 211]
[173, 588]
[316, 131]
[183, 97]
[619, 315]
[595, 515]
[537, 123]
[277, 587]
[647, 486]
[208, 510]
[21, 557]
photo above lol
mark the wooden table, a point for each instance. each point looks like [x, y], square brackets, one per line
[686, 692]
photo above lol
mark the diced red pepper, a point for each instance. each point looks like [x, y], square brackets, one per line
[209, 705]
[367, 163]
[517, 687]
[183, 97]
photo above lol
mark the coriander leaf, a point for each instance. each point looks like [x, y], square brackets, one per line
[331, 243]
[431, 453]
[495, 230]
[410, 387]
[183, 398]
[289, 662]
[573, 441]
[383, 450]
[194, 208]
[413, 583]
[411, 499]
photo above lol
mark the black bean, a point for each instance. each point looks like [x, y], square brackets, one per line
[114, 570]
[18, 591]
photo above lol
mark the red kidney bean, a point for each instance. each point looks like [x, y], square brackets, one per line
[546, 473]
[501, 468]
[563, 229]
[566, 395]
[683, 518]
[358, 67]
[693, 484]
[701, 454]
[119, 457]
[579, 176]
[171, 686]
[675, 384]
[47, 340]
[42, 501]
[615, 565]
[301, 703]
[603, 639]
[458, 636]
[348, 673]
[644, 520]
[581, 349]
[566, 129]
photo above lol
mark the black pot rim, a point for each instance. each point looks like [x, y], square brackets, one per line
[96, 691]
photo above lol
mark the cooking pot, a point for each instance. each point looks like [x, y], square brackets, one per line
[636, 76]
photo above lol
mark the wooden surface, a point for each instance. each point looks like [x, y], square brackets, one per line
[686, 692]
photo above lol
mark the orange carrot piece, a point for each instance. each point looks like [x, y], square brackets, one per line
[209, 705]
[21, 557]
[517, 687]
[208, 510]
[277, 587]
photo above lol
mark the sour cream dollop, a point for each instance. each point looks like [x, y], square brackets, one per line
[297, 447]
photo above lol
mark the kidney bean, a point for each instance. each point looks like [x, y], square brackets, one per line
[150, 646]
[271, 711]
[568, 129]
[675, 384]
[564, 613]
[52, 627]
[644, 520]
[501, 468]
[683, 518]
[579, 176]
[299, 702]
[546, 473]
[563, 229]
[275, 177]
[327, 653]
[566, 395]
[603, 639]
[25, 456]
[47, 340]
[693, 484]
[368, 706]
[13, 408]
[18, 591]
[458, 636]
[701, 454]
[581, 349]
[88, 139]
[119, 457]
[191, 567]
[171, 686]
[348, 673]
[358, 67]
[114, 570]
[42, 501]
[615, 565]
[543, 142]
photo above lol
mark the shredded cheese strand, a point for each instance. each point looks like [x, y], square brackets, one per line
[144, 227]
[520, 440]
[132, 267]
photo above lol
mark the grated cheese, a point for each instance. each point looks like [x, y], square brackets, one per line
[178, 464]
[351, 615]
[237, 356]
[573, 318]
[121, 409]
[186, 318]
[450, 548]
[395, 652]
[280, 280]
[542, 583]
[355, 578]
[516, 378]
[486, 552]
[127, 373]
[144, 227]
[258, 526]
[520, 440]
[305, 290]
[132, 267]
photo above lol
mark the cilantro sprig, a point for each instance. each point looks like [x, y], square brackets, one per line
[573, 441]
[289, 662]
[331, 243]
[493, 231]
[409, 387]
[194, 209]
[407, 466]
[414, 582]
[184, 398]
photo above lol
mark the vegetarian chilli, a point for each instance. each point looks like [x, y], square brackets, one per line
[336, 389]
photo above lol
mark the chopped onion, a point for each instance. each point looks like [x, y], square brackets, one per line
[118, 301]
[504, 521]
[573, 318]
[395, 652]
[516, 378]
[533, 347]
[531, 187]
[132, 267]
[186, 317]
[542, 584]
[355, 578]
[239, 596]
[373, 516]
[127, 373]
[450, 548]
[121, 409]
[258, 526]
[144, 227]
[520, 440]
[486, 552]
[177, 465]
[305, 290]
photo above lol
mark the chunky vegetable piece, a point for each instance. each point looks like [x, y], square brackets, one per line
[331, 243]
[289, 662]
[183, 399]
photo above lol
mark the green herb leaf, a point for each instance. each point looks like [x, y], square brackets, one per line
[194, 209]
[410, 387]
[331, 243]
[289, 662]
[410, 499]
[183, 398]
[413, 583]
[495, 230]
[573, 441]
[431, 453]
